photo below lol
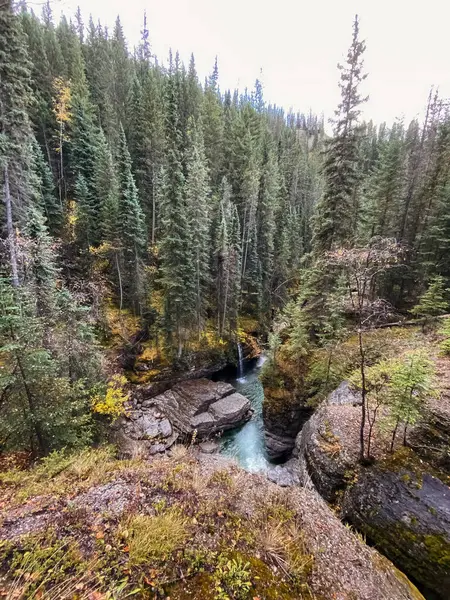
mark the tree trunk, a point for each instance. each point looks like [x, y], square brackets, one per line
[10, 228]
[31, 404]
[405, 429]
[394, 433]
[363, 396]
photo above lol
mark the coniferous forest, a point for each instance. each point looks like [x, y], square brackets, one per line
[224, 330]
[141, 203]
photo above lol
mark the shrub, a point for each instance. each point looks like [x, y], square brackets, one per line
[232, 579]
[112, 402]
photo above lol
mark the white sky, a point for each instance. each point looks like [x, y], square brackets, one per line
[297, 45]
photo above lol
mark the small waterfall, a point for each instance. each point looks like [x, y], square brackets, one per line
[241, 361]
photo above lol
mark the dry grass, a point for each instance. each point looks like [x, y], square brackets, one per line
[284, 546]
[61, 473]
[178, 451]
[155, 537]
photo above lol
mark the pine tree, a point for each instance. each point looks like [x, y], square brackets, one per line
[213, 125]
[228, 262]
[177, 269]
[15, 131]
[121, 81]
[49, 203]
[106, 191]
[268, 199]
[432, 303]
[335, 211]
[131, 228]
[82, 149]
[86, 229]
[385, 189]
[198, 216]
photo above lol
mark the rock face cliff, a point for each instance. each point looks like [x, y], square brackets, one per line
[400, 502]
[283, 419]
[200, 405]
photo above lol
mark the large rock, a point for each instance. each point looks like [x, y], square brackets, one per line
[396, 502]
[407, 516]
[204, 406]
[283, 418]
[144, 431]
[200, 405]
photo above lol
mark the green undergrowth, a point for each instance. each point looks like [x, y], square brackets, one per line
[290, 380]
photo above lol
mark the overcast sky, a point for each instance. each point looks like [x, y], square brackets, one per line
[294, 46]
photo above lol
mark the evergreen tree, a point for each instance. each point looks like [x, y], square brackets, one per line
[269, 188]
[385, 189]
[15, 131]
[49, 203]
[213, 125]
[228, 262]
[198, 216]
[177, 269]
[131, 228]
[106, 191]
[341, 168]
[432, 303]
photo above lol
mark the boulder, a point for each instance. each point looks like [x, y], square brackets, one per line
[286, 475]
[204, 406]
[209, 447]
[143, 431]
[200, 405]
[400, 502]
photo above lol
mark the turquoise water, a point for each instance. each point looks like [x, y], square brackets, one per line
[246, 444]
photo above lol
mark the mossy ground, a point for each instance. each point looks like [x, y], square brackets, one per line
[183, 534]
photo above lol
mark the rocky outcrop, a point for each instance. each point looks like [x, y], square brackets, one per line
[200, 405]
[329, 460]
[84, 518]
[167, 378]
[285, 414]
[396, 502]
[431, 437]
[144, 431]
[407, 516]
[283, 419]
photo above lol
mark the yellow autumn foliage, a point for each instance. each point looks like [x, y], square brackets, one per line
[112, 403]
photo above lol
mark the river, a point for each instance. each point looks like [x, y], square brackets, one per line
[246, 443]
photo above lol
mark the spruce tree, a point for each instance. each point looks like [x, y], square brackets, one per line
[228, 262]
[268, 199]
[50, 205]
[213, 125]
[131, 228]
[177, 268]
[15, 131]
[334, 220]
[199, 218]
